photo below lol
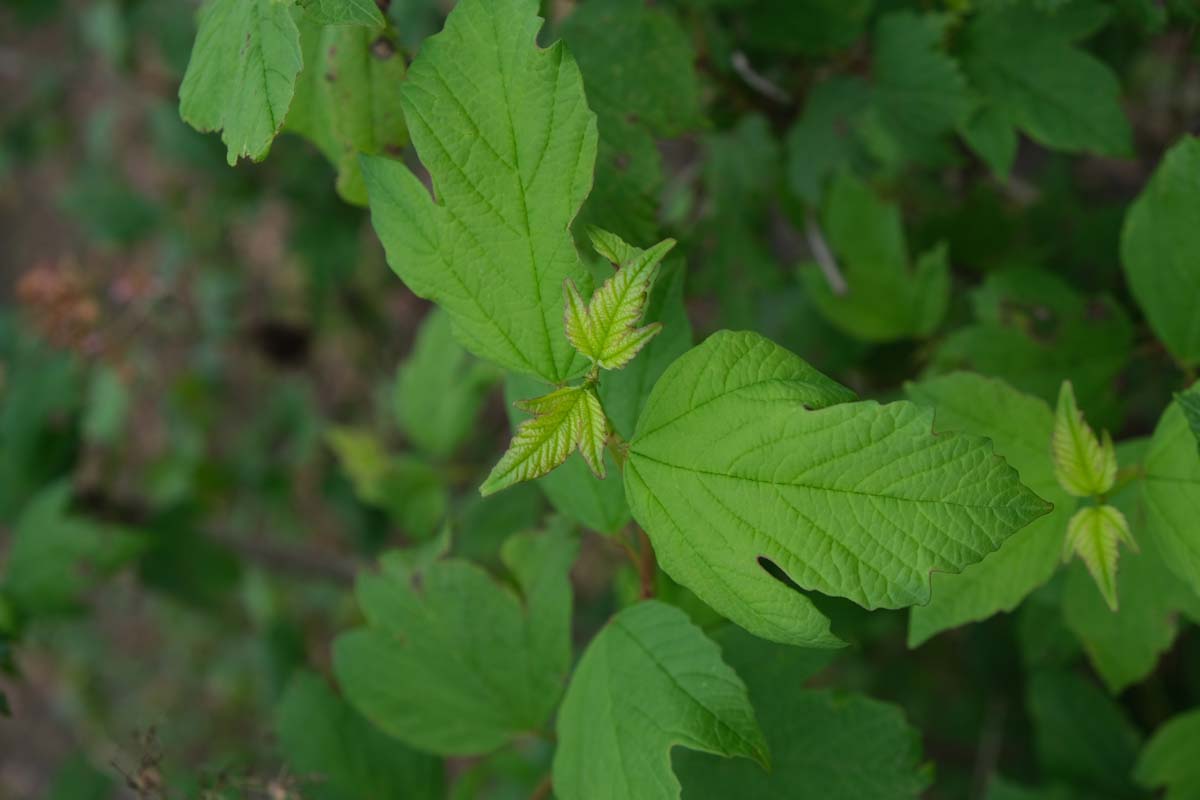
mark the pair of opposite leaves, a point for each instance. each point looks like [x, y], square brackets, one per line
[744, 458]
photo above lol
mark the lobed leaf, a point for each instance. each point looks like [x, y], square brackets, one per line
[650, 680]
[504, 130]
[1093, 534]
[747, 463]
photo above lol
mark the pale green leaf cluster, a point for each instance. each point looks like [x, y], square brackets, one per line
[564, 420]
[452, 661]
[504, 130]
[242, 73]
[1093, 534]
[649, 663]
[606, 328]
[747, 463]
[1160, 251]
[885, 298]
[1086, 466]
[1168, 761]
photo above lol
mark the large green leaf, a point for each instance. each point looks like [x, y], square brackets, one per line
[1160, 250]
[753, 474]
[1171, 495]
[1169, 758]
[885, 298]
[453, 662]
[1020, 427]
[825, 745]
[650, 680]
[1025, 63]
[505, 132]
[242, 73]
[340, 755]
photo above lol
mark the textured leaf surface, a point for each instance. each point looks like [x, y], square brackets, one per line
[341, 755]
[1024, 61]
[825, 745]
[1171, 495]
[343, 12]
[606, 329]
[440, 389]
[743, 457]
[573, 489]
[1020, 427]
[453, 662]
[505, 132]
[885, 298]
[1093, 534]
[564, 421]
[650, 680]
[1169, 758]
[242, 73]
[1083, 465]
[1160, 250]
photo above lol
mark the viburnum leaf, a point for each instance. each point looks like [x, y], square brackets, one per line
[606, 329]
[1169, 759]
[343, 12]
[1160, 250]
[242, 73]
[1171, 495]
[504, 130]
[1093, 534]
[567, 419]
[1189, 401]
[1084, 465]
[652, 665]
[452, 661]
[1019, 426]
[753, 474]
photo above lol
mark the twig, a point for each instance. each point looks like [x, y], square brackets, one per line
[741, 65]
[823, 255]
[543, 789]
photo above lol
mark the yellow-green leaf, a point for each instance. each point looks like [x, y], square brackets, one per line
[1094, 533]
[1084, 464]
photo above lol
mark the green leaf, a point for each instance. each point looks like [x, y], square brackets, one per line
[56, 556]
[650, 664]
[919, 92]
[747, 463]
[573, 490]
[1171, 495]
[1023, 61]
[242, 73]
[565, 420]
[1160, 251]
[1081, 735]
[347, 102]
[885, 299]
[1093, 534]
[606, 329]
[638, 67]
[825, 745]
[821, 144]
[1168, 761]
[496, 247]
[453, 662]
[343, 12]
[1189, 401]
[440, 389]
[1019, 426]
[1083, 465]
[806, 27]
[988, 132]
[409, 489]
[77, 779]
[339, 755]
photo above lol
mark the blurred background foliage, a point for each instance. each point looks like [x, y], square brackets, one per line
[217, 402]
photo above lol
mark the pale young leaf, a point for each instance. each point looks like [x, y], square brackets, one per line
[1084, 464]
[563, 420]
[1093, 534]
[606, 329]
